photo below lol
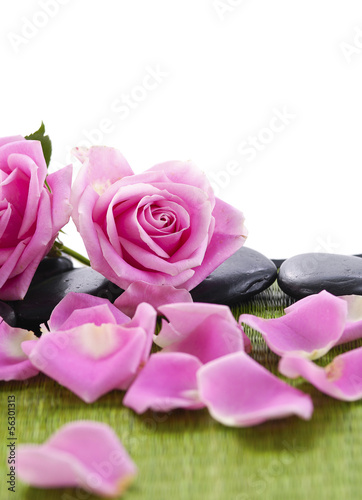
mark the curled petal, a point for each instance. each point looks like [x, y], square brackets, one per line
[156, 295]
[75, 304]
[239, 392]
[82, 454]
[14, 363]
[341, 379]
[310, 327]
[167, 381]
[206, 331]
[353, 326]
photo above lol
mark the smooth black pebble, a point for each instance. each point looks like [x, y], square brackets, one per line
[245, 274]
[51, 266]
[310, 273]
[7, 314]
[41, 298]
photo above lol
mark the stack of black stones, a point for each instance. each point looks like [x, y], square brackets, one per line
[238, 279]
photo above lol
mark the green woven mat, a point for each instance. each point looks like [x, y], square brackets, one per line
[188, 455]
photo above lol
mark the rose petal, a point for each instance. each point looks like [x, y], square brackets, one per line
[84, 454]
[156, 295]
[14, 363]
[72, 306]
[239, 392]
[59, 183]
[90, 360]
[207, 331]
[310, 327]
[102, 166]
[167, 381]
[145, 317]
[341, 379]
[353, 327]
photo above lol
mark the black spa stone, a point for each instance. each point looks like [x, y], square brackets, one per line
[7, 314]
[310, 273]
[41, 298]
[243, 275]
[51, 266]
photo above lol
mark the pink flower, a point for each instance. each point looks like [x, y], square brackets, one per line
[30, 214]
[84, 454]
[207, 331]
[92, 347]
[164, 226]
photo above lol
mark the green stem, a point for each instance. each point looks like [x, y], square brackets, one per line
[74, 254]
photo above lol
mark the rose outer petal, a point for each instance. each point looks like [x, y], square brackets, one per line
[310, 327]
[168, 381]
[341, 379]
[83, 454]
[102, 166]
[239, 392]
[156, 295]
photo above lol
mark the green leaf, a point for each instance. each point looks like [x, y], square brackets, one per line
[46, 144]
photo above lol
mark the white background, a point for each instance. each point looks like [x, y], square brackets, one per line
[226, 69]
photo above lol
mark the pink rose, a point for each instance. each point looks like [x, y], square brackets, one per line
[30, 214]
[163, 226]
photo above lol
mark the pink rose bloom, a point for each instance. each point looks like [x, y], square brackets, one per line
[30, 214]
[163, 226]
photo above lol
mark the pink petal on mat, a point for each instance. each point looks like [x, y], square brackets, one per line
[310, 327]
[341, 379]
[75, 304]
[239, 392]
[83, 454]
[156, 295]
[14, 363]
[353, 326]
[206, 331]
[91, 360]
[168, 381]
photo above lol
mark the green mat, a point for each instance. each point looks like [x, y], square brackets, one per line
[188, 455]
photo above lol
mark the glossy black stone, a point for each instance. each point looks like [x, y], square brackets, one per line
[41, 298]
[309, 273]
[7, 314]
[239, 278]
[51, 266]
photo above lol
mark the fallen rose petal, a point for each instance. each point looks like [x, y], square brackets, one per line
[156, 295]
[206, 331]
[310, 327]
[14, 363]
[168, 381]
[353, 326]
[77, 304]
[82, 454]
[341, 379]
[240, 392]
[92, 359]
